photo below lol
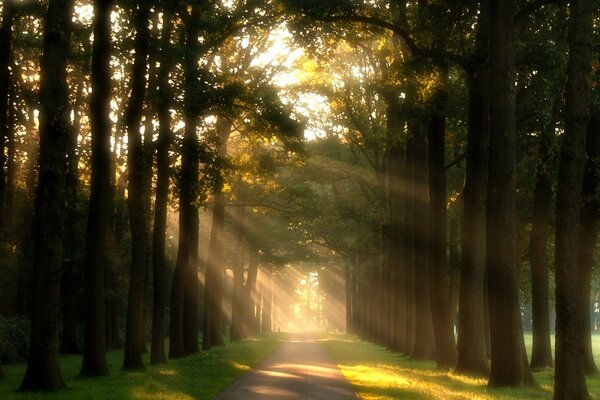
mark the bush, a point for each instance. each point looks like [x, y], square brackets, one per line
[14, 339]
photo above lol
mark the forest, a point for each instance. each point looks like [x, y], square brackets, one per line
[177, 176]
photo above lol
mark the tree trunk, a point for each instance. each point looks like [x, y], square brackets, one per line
[409, 245]
[250, 296]
[569, 378]
[11, 160]
[5, 100]
[94, 352]
[509, 366]
[165, 138]
[213, 294]
[424, 337]
[441, 305]
[541, 354]
[590, 218]
[176, 349]
[266, 321]
[70, 299]
[238, 301]
[43, 370]
[136, 201]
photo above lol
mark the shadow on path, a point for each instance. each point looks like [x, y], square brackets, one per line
[299, 369]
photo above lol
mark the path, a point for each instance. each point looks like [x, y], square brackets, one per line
[299, 369]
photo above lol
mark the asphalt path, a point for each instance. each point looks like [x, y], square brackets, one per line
[299, 369]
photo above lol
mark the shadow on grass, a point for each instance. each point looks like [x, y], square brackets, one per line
[377, 373]
[199, 376]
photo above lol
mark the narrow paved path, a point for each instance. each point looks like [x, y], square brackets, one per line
[299, 369]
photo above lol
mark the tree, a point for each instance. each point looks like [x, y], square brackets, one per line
[508, 359]
[94, 354]
[6, 49]
[215, 268]
[43, 371]
[471, 341]
[165, 138]
[443, 324]
[136, 202]
[569, 378]
[541, 354]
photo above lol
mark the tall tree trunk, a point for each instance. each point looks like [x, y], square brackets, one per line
[136, 202]
[569, 377]
[266, 321]
[349, 293]
[94, 352]
[70, 299]
[165, 138]
[213, 292]
[395, 253]
[409, 244]
[250, 295]
[541, 354]
[441, 305]
[238, 301]
[424, 336]
[184, 290]
[43, 370]
[509, 366]
[472, 351]
[5, 100]
[11, 160]
[590, 219]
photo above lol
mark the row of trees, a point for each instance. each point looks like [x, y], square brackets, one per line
[138, 94]
[439, 124]
[406, 115]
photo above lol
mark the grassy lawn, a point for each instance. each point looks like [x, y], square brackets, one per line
[200, 376]
[377, 373]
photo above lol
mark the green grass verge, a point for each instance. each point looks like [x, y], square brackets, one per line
[376, 373]
[200, 376]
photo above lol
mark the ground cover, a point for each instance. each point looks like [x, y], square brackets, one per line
[378, 374]
[197, 377]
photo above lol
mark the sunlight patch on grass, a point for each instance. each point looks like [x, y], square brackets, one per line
[239, 366]
[148, 393]
[365, 375]
[168, 372]
[379, 374]
[409, 381]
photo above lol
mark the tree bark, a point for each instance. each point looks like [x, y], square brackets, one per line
[509, 366]
[569, 378]
[266, 321]
[184, 291]
[441, 304]
[472, 351]
[43, 370]
[590, 218]
[238, 301]
[8, 16]
[541, 354]
[136, 201]
[409, 245]
[70, 299]
[424, 337]
[94, 352]
[165, 138]
[213, 292]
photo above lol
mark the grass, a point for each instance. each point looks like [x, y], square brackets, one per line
[200, 376]
[376, 373]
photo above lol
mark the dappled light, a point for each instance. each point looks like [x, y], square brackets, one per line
[249, 199]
